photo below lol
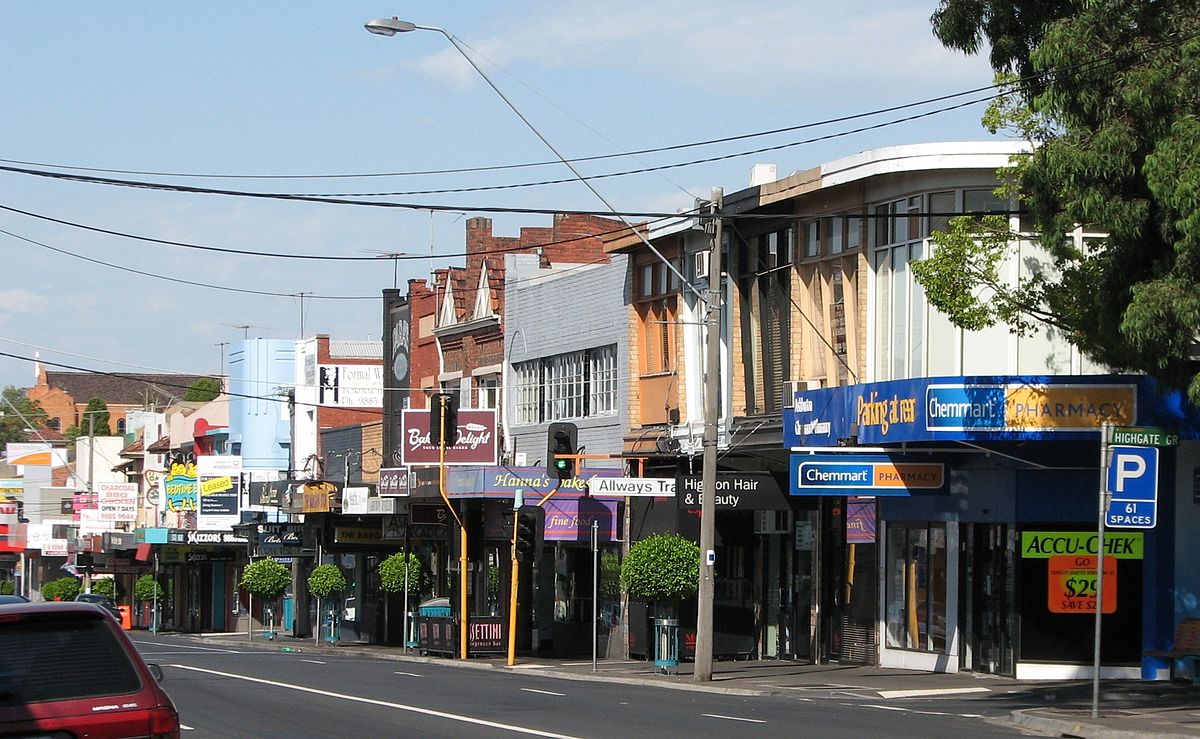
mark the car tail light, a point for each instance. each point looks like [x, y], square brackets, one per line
[164, 723]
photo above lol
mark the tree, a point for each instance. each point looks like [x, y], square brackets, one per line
[146, 588]
[94, 421]
[1113, 110]
[266, 578]
[64, 588]
[326, 580]
[105, 586]
[664, 568]
[393, 570]
[17, 414]
[203, 390]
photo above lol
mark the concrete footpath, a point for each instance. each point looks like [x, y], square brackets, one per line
[1128, 708]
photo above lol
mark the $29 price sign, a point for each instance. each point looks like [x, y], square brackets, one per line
[1071, 585]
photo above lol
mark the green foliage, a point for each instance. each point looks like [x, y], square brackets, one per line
[105, 586]
[664, 568]
[203, 390]
[266, 578]
[392, 573]
[146, 588]
[93, 421]
[7, 587]
[610, 576]
[15, 423]
[325, 580]
[1117, 132]
[64, 588]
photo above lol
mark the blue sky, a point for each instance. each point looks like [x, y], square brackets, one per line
[300, 88]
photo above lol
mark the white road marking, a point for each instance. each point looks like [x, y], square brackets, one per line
[933, 691]
[605, 662]
[185, 727]
[385, 704]
[735, 718]
[885, 708]
[314, 661]
[186, 646]
[410, 674]
[543, 692]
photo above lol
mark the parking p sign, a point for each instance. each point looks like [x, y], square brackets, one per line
[1133, 484]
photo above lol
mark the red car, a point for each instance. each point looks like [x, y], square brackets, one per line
[69, 668]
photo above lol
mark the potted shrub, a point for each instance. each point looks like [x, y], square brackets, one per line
[663, 570]
[105, 586]
[146, 589]
[267, 579]
[394, 572]
[324, 581]
[7, 587]
[64, 588]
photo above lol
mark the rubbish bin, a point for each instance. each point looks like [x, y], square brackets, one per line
[126, 617]
[666, 645]
[435, 627]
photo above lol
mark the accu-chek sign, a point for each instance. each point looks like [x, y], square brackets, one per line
[838, 474]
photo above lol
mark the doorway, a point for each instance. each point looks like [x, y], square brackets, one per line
[989, 615]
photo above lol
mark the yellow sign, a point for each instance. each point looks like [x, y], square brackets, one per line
[1062, 407]
[316, 497]
[357, 535]
[212, 485]
[1046, 544]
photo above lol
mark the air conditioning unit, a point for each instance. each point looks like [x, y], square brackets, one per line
[795, 386]
[772, 522]
[700, 265]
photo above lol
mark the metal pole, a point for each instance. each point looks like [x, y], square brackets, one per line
[712, 413]
[1105, 435]
[154, 612]
[406, 562]
[515, 581]
[595, 590]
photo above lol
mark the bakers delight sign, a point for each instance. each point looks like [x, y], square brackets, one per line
[476, 439]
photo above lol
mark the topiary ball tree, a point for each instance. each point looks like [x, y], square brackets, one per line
[105, 586]
[64, 588]
[266, 578]
[392, 573]
[147, 589]
[664, 568]
[7, 587]
[326, 580]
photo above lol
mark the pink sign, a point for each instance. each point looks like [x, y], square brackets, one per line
[476, 442]
[860, 520]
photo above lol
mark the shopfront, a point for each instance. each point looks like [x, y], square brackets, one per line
[995, 569]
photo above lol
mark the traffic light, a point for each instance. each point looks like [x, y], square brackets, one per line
[561, 438]
[443, 415]
[531, 523]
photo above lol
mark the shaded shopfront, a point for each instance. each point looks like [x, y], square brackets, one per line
[989, 572]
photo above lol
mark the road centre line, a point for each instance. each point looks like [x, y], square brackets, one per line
[735, 718]
[385, 704]
[314, 661]
[410, 674]
[543, 692]
[932, 691]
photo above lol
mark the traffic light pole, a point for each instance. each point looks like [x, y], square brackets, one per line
[515, 581]
[443, 401]
[712, 414]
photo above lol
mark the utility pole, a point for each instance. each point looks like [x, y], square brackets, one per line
[712, 415]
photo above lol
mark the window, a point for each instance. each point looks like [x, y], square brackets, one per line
[656, 305]
[916, 587]
[899, 301]
[764, 292]
[573, 385]
[940, 203]
[812, 239]
[487, 391]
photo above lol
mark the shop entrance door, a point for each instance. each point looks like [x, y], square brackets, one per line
[989, 578]
[195, 598]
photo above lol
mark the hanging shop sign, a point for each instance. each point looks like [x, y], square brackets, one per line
[860, 521]
[393, 482]
[863, 474]
[476, 442]
[631, 487]
[736, 491]
[570, 519]
[504, 482]
[357, 535]
[964, 408]
[316, 496]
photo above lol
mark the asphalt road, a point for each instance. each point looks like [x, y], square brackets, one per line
[225, 691]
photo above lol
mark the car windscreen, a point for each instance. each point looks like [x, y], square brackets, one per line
[62, 659]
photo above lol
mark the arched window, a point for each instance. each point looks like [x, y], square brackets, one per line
[120, 426]
[54, 423]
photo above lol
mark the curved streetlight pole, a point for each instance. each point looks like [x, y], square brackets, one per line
[713, 311]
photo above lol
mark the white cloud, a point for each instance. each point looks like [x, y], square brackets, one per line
[23, 301]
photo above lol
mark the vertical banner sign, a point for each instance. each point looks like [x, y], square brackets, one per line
[860, 520]
[396, 318]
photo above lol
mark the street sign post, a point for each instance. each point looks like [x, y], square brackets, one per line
[1133, 485]
[1144, 436]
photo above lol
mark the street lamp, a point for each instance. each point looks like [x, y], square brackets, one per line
[713, 304]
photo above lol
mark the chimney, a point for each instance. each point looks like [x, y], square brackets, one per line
[761, 174]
